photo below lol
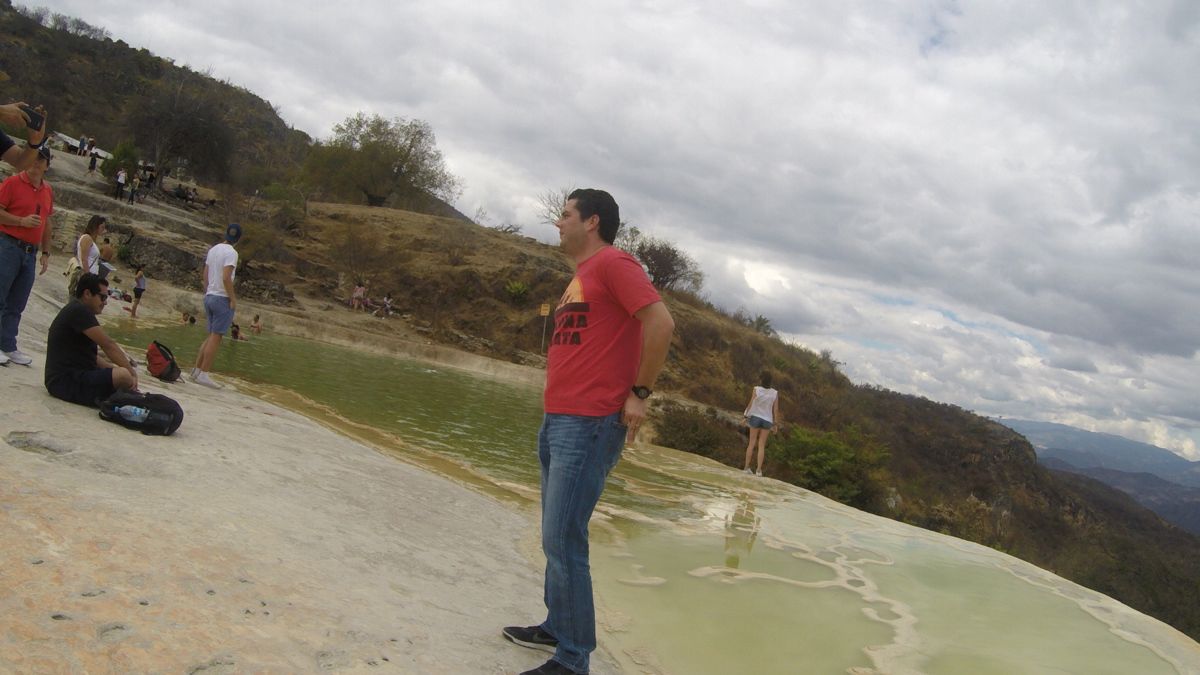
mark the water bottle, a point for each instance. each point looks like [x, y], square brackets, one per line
[134, 413]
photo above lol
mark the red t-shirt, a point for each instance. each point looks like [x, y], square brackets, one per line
[597, 345]
[20, 198]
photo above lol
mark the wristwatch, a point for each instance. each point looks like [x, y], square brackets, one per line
[642, 392]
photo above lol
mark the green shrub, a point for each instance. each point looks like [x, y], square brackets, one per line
[517, 291]
[844, 465]
[693, 431]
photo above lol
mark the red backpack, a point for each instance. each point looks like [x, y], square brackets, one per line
[161, 362]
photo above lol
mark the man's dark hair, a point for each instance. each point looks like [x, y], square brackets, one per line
[766, 379]
[89, 282]
[590, 203]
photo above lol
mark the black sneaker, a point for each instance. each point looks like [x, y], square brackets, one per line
[534, 638]
[551, 667]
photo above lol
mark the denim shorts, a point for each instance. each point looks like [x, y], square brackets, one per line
[218, 313]
[83, 387]
[758, 422]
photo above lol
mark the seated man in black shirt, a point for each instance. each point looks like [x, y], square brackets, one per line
[75, 372]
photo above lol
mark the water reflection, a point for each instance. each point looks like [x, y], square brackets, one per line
[741, 529]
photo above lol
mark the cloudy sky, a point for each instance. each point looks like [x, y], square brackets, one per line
[990, 204]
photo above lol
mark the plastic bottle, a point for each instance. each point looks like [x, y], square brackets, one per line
[133, 413]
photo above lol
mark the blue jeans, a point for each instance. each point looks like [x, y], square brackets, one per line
[17, 272]
[577, 453]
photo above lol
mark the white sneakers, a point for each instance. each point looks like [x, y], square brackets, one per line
[3, 360]
[203, 379]
[193, 374]
[18, 358]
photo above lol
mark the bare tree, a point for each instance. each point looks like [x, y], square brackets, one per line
[356, 248]
[551, 204]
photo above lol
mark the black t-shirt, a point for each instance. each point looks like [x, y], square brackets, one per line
[5, 143]
[67, 348]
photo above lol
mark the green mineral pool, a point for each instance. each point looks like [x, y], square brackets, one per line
[699, 568]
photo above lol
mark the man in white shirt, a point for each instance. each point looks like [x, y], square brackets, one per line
[219, 302]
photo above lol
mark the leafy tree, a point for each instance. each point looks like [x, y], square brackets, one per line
[627, 239]
[180, 119]
[379, 159]
[668, 266]
[125, 156]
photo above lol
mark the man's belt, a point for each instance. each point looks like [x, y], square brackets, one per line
[21, 244]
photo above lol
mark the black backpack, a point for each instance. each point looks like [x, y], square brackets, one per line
[163, 419]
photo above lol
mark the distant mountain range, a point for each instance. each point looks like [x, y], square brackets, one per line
[1158, 479]
[1092, 450]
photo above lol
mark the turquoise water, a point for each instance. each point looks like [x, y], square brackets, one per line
[702, 569]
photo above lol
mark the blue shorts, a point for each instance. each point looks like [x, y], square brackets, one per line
[758, 422]
[218, 313]
[83, 387]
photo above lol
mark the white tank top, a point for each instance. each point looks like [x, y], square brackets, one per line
[93, 257]
[764, 404]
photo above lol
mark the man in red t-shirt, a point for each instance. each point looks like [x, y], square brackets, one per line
[26, 203]
[611, 334]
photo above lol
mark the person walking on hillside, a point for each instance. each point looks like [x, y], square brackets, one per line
[26, 204]
[82, 149]
[762, 413]
[219, 302]
[92, 165]
[611, 336]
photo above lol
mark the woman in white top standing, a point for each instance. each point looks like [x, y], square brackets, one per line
[762, 414]
[87, 251]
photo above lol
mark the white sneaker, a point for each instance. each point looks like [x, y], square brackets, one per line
[204, 379]
[758, 473]
[194, 373]
[3, 360]
[18, 358]
[747, 470]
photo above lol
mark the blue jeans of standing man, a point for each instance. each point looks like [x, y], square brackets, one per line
[577, 453]
[17, 272]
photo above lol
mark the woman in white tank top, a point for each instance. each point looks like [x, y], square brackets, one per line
[86, 249]
[762, 414]
[87, 252]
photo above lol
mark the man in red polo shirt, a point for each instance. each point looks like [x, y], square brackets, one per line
[26, 204]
